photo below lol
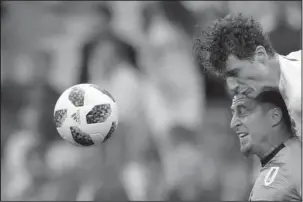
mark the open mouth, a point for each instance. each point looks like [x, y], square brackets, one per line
[241, 135]
[248, 91]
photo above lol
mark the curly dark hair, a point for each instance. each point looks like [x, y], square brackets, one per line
[237, 35]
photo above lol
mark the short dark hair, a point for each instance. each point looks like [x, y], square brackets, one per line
[275, 98]
[237, 35]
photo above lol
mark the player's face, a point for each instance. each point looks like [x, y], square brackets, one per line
[248, 77]
[250, 123]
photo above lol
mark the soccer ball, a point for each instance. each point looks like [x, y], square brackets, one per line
[86, 115]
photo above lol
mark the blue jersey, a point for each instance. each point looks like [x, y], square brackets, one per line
[280, 176]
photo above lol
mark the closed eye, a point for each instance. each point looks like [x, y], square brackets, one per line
[232, 73]
[241, 110]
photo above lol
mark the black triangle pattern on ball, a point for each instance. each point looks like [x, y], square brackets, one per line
[59, 117]
[103, 91]
[76, 96]
[80, 137]
[111, 131]
[98, 114]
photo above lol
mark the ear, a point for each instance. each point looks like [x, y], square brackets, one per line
[275, 116]
[261, 54]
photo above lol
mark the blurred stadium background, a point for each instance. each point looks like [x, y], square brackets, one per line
[173, 141]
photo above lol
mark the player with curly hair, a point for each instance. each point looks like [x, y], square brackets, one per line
[236, 49]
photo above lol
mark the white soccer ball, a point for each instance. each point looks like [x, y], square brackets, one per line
[86, 115]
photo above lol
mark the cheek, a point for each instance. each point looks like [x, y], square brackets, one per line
[262, 69]
[255, 124]
[252, 71]
[258, 130]
[231, 82]
[257, 72]
[249, 122]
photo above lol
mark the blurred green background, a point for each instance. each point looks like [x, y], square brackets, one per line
[173, 141]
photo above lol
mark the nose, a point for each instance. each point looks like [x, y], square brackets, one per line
[232, 84]
[235, 123]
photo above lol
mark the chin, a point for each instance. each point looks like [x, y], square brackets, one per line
[246, 150]
[246, 146]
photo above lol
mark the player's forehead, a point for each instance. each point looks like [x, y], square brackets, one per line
[243, 101]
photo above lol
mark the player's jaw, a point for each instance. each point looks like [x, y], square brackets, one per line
[245, 143]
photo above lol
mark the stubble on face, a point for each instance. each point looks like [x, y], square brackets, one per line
[243, 103]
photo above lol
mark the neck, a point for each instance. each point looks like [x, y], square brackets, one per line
[274, 69]
[271, 142]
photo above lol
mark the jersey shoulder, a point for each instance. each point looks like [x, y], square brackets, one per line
[291, 63]
[296, 55]
[290, 86]
[280, 179]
